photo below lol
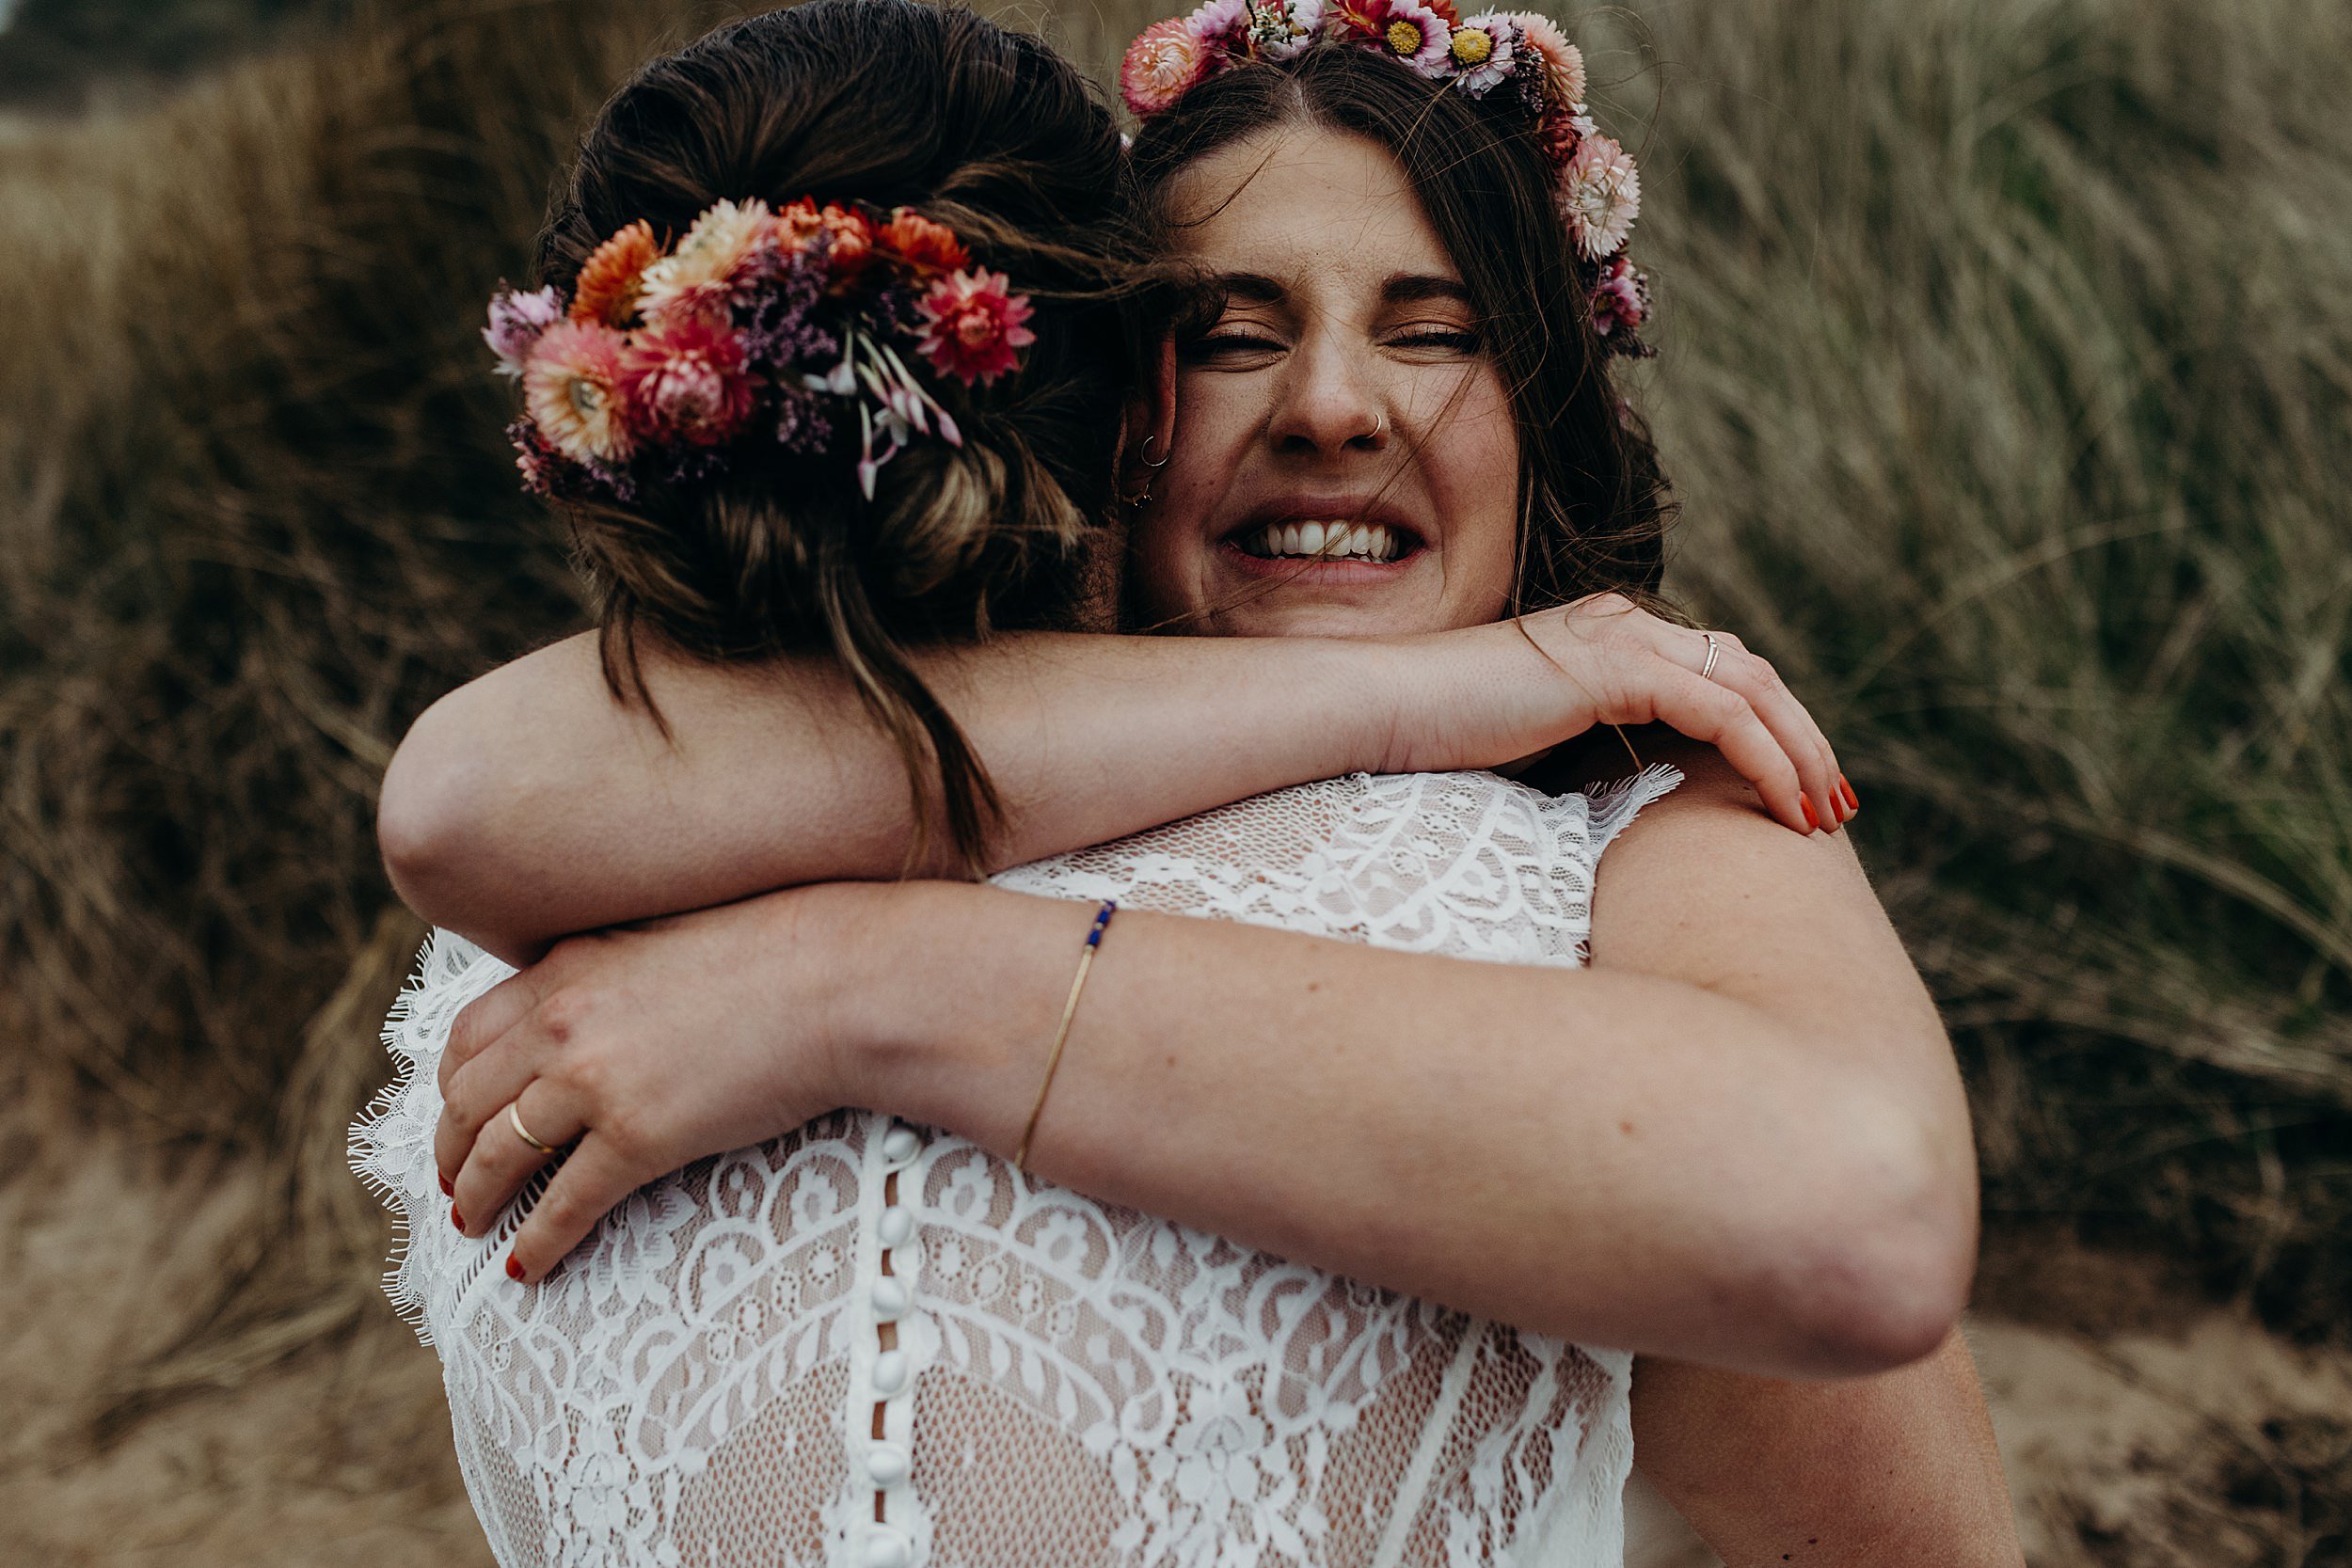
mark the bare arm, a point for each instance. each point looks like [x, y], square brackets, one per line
[1738, 1139]
[528, 804]
[1900, 1468]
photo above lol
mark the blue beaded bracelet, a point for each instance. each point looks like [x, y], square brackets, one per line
[1061, 1030]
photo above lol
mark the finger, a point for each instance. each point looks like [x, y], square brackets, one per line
[1792, 724]
[484, 1020]
[1660, 691]
[483, 1087]
[501, 1159]
[591, 1179]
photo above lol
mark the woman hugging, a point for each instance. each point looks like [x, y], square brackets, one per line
[1139, 939]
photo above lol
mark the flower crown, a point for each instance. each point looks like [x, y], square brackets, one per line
[1522, 54]
[759, 330]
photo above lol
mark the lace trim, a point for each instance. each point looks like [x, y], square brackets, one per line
[1613, 807]
[392, 1140]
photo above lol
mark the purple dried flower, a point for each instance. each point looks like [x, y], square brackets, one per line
[517, 322]
[800, 426]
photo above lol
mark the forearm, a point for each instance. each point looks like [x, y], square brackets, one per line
[529, 804]
[1899, 1467]
[1521, 1143]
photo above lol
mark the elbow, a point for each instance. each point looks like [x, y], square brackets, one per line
[1885, 1268]
[429, 819]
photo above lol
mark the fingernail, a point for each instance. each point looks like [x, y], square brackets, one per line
[455, 1218]
[1812, 819]
[1854, 802]
[447, 1191]
[513, 1269]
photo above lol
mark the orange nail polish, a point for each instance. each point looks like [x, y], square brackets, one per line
[447, 1191]
[1812, 818]
[1854, 802]
[513, 1269]
[455, 1218]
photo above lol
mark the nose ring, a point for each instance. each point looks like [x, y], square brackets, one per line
[1380, 423]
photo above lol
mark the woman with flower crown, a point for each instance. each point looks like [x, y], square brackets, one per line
[858, 1341]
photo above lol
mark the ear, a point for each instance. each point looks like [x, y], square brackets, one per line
[1148, 416]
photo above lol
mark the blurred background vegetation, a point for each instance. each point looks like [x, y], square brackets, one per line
[2006, 382]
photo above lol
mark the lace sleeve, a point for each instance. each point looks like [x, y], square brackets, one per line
[391, 1143]
[1611, 807]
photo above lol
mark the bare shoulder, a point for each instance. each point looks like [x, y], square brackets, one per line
[1703, 885]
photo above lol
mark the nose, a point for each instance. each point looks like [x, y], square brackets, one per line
[1329, 399]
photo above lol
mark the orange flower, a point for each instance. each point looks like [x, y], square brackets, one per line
[849, 235]
[798, 224]
[615, 275]
[922, 244]
[852, 236]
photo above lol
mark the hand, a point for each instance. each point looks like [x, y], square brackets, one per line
[1486, 696]
[643, 1047]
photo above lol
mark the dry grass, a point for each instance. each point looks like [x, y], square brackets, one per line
[2008, 381]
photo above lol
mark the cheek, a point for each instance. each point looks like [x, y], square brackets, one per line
[1476, 459]
[1212, 435]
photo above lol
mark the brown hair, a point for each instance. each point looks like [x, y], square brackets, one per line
[884, 103]
[1593, 501]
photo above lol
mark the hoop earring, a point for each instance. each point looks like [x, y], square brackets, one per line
[1143, 453]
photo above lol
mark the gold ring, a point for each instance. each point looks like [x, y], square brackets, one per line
[515, 1121]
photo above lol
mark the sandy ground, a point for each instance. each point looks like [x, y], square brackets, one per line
[2198, 1439]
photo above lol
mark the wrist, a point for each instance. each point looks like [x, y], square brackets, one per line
[849, 933]
[945, 1001]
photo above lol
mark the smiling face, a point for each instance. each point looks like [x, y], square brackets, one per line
[1344, 460]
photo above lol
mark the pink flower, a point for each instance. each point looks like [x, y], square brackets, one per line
[1620, 298]
[1167, 60]
[685, 381]
[572, 386]
[1406, 30]
[972, 328]
[1485, 49]
[1223, 28]
[515, 323]
[1562, 63]
[1600, 196]
[700, 277]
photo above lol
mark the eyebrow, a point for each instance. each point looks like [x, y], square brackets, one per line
[1256, 288]
[1407, 288]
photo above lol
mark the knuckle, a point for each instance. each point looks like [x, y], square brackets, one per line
[564, 1013]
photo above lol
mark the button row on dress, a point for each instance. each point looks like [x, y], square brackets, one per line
[888, 1465]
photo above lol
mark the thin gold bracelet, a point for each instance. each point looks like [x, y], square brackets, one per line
[1061, 1030]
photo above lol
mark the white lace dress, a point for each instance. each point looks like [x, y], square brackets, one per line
[708, 1381]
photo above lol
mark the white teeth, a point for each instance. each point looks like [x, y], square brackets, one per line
[1323, 541]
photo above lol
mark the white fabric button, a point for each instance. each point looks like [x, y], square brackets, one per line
[897, 1224]
[886, 1464]
[890, 1373]
[887, 1548]
[900, 1144]
[890, 1298]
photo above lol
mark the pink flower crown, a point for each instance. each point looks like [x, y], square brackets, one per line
[1522, 54]
[759, 329]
